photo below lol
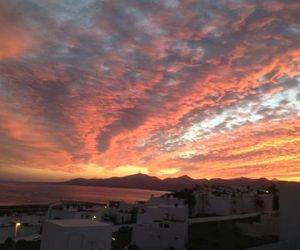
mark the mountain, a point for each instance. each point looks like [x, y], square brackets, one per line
[131, 181]
[143, 181]
[180, 183]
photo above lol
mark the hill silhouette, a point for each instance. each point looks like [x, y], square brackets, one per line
[143, 181]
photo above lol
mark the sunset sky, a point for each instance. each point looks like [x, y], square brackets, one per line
[100, 88]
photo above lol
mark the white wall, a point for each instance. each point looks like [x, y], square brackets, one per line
[247, 204]
[220, 205]
[123, 218]
[289, 207]
[207, 203]
[166, 201]
[5, 220]
[30, 219]
[160, 235]
[289, 195]
[23, 231]
[162, 224]
[68, 214]
[56, 237]
[152, 213]
[268, 202]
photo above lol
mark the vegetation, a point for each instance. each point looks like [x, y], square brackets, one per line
[122, 239]
[133, 247]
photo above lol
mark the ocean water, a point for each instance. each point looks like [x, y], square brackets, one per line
[36, 193]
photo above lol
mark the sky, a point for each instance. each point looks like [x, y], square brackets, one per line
[100, 88]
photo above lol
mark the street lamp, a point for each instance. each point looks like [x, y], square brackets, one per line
[18, 224]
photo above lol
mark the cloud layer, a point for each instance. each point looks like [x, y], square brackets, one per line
[101, 88]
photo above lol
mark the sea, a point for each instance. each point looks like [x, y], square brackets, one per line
[15, 193]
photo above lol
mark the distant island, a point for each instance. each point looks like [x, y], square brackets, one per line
[143, 181]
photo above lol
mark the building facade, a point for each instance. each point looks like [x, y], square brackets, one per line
[76, 235]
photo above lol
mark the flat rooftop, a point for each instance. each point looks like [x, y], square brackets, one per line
[78, 223]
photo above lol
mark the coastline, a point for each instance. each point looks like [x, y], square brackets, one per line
[26, 195]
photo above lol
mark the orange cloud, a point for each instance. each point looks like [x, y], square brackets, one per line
[16, 37]
[204, 88]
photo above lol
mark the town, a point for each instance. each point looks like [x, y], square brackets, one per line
[205, 217]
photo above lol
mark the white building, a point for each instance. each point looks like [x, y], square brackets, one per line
[214, 205]
[246, 203]
[76, 235]
[161, 226]
[30, 225]
[75, 210]
[121, 212]
[5, 220]
[289, 228]
[31, 220]
[169, 201]
[23, 232]
[152, 213]
[160, 234]
[231, 201]
[268, 202]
